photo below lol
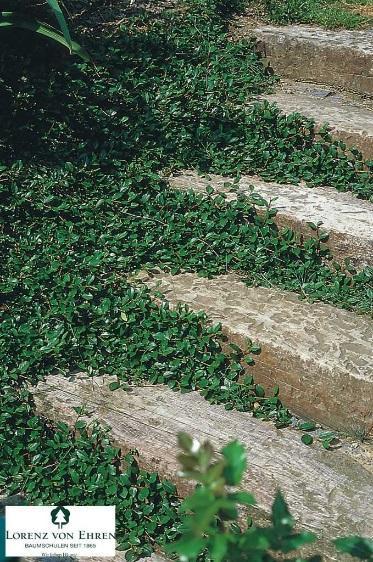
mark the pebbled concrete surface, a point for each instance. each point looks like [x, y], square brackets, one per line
[320, 356]
[348, 220]
[340, 58]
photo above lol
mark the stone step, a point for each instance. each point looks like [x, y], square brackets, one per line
[342, 59]
[348, 220]
[328, 492]
[349, 121]
[320, 356]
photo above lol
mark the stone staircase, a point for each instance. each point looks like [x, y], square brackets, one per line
[326, 75]
[320, 356]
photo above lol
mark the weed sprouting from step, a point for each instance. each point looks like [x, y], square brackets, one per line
[213, 526]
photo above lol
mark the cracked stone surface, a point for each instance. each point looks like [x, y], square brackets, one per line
[320, 356]
[340, 58]
[327, 492]
[349, 122]
[348, 220]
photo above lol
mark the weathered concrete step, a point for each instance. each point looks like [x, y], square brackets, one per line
[327, 492]
[348, 220]
[320, 356]
[348, 121]
[343, 59]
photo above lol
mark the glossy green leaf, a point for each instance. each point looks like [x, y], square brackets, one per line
[235, 456]
[307, 426]
[54, 5]
[359, 547]
[307, 439]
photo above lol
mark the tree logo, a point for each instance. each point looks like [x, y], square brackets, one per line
[60, 516]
